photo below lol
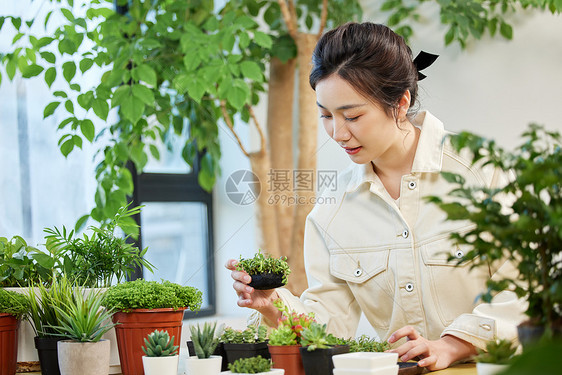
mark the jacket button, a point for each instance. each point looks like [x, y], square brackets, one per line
[358, 272]
[406, 233]
[485, 326]
[459, 254]
[412, 185]
[409, 287]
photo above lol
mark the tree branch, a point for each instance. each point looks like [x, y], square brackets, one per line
[290, 21]
[258, 126]
[323, 17]
[230, 125]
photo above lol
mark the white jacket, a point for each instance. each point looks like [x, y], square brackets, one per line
[366, 252]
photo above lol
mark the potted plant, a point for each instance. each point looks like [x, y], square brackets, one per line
[365, 343]
[266, 272]
[161, 355]
[83, 323]
[317, 349]
[495, 358]
[525, 230]
[246, 343]
[285, 340]
[12, 307]
[204, 342]
[45, 318]
[253, 365]
[143, 306]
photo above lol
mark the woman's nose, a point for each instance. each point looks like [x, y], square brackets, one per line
[340, 132]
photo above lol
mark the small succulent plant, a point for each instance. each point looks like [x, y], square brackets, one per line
[365, 343]
[250, 335]
[204, 340]
[252, 365]
[497, 351]
[316, 337]
[290, 327]
[159, 344]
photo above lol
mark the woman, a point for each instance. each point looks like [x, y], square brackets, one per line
[381, 249]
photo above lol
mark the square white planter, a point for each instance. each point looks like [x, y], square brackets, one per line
[274, 371]
[387, 370]
[364, 360]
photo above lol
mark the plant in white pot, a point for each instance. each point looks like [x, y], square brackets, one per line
[161, 355]
[496, 358]
[254, 365]
[83, 323]
[205, 342]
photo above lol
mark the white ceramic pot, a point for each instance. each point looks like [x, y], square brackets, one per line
[364, 360]
[489, 368]
[274, 371]
[206, 366]
[160, 365]
[84, 358]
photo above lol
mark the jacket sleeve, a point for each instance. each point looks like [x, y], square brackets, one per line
[500, 317]
[328, 297]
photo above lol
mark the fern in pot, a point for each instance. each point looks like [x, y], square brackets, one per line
[161, 355]
[204, 341]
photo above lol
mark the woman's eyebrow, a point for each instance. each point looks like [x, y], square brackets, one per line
[343, 107]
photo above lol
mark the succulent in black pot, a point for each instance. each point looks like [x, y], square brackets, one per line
[266, 272]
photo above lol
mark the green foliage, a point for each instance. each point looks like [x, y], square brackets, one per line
[101, 258]
[22, 265]
[520, 222]
[143, 294]
[315, 337]
[250, 335]
[465, 20]
[159, 344]
[252, 365]
[291, 325]
[13, 303]
[83, 318]
[261, 263]
[540, 358]
[204, 340]
[500, 352]
[366, 344]
[43, 302]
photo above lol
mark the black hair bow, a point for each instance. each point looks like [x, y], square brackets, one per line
[422, 61]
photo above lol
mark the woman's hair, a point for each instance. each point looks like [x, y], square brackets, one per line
[372, 59]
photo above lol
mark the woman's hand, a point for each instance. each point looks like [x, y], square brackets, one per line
[260, 300]
[436, 354]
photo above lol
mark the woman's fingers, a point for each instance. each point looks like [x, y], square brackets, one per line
[420, 348]
[428, 362]
[231, 264]
[408, 331]
[241, 276]
[242, 288]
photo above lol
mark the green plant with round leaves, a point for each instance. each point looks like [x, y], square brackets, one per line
[500, 352]
[13, 303]
[252, 365]
[159, 344]
[316, 337]
[265, 264]
[519, 222]
[204, 339]
[144, 294]
[249, 335]
[22, 265]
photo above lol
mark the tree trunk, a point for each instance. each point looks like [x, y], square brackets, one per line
[269, 241]
[280, 137]
[308, 134]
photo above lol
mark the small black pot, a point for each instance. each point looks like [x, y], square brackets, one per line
[266, 280]
[530, 334]
[319, 361]
[237, 351]
[219, 350]
[48, 354]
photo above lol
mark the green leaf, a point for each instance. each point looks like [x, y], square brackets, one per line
[449, 36]
[2, 19]
[16, 21]
[101, 108]
[68, 70]
[88, 129]
[67, 14]
[69, 106]
[60, 94]
[196, 89]
[236, 96]
[31, 71]
[49, 57]
[191, 61]
[506, 30]
[262, 39]
[50, 109]
[86, 64]
[145, 73]
[67, 147]
[125, 181]
[45, 41]
[85, 100]
[50, 76]
[81, 223]
[154, 151]
[67, 46]
[119, 95]
[251, 70]
[144, 94]
[132, 109]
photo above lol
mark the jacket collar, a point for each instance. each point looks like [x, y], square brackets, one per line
[428, 158]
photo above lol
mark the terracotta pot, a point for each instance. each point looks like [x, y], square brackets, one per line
[287, 357]
[83, 358]
[48, 354]
[135, 325]
[8, 344]
[160, 365]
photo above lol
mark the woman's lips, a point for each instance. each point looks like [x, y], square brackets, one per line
[352, 151]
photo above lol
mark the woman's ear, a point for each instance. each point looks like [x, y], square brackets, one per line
[404, 105]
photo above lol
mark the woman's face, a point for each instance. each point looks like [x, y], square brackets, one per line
[359, 126]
